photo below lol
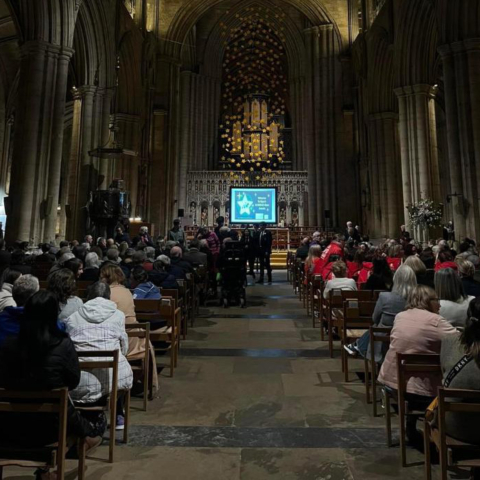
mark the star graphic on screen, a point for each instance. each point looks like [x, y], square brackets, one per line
[245, 206]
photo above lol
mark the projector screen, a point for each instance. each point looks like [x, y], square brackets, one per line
[253, 205]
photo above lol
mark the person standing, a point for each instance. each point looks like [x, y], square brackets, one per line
[177, 234]
[265, 250]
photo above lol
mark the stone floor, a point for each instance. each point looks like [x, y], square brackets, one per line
[255, 396]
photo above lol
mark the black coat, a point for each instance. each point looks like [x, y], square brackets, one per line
[163, 279]
[265, 241]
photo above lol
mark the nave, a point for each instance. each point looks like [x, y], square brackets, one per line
[255, 396]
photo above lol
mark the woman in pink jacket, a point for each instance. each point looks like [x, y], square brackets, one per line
[417, 330]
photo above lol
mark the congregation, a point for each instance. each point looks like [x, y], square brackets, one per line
[426, 305]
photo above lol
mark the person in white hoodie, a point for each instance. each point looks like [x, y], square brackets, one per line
[8, 279]
[99, 325]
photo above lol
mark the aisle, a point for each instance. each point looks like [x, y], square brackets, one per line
[256, 397]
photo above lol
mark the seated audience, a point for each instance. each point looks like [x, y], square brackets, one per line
[18, 262]
[339, 282]
[62, 284]
[469, 252]
[143, 237]
[161, 276]
[99, 325]
[144, 289]
[424, 277]
[466, 270]
[418, 330]
[75, 265]
[91, 272]
[445, 260]
[302, 251]
[428, 258]
[11, 317]
[388, 305]
[466, 347]
[42, 357]
[354, 267]
[9, 277]
[453, 300]
[150, 259]
[176, 260]
[312, 263]
[194, 256]
[381, 277]
[5, 256]
[122, 237]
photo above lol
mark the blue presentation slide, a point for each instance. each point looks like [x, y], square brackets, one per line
[253, 205]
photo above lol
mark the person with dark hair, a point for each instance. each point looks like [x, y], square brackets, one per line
[62, 284]
[42, 357]
[453, 300]
[381, 277]
[265, 242]
[302, 251]
[18, 263]
[177, 234]
[75, 265]
[144, 289]
[11, 317]
[461, 354]
[122, 236]
[220, 224]
[445, 260]
[46, 256]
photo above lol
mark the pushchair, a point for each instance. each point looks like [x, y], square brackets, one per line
[233, 275]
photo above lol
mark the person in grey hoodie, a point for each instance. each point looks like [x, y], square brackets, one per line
[8, 279]
[99, 325]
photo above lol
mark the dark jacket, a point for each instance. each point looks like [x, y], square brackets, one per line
[90, 274]
[181, 263]
[122, 237]
[10, 320]
[146, 239]
[302, 252]
[22, 268]
[163, 279]
[195, 257]
[265, 241]
[471, 286]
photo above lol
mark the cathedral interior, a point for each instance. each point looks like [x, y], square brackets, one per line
[354, 110]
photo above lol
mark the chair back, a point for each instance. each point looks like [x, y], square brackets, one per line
[38, 402]
[358, 314]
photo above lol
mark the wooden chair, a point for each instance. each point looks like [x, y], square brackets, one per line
[316, 292]
[164, 309]
[190, 297]
[334, 309]
[453, 453]
[357, 319]
[109, 361]
[409, 365]
[40, 402]
[175, 294]
[377, 335]
[142, 363]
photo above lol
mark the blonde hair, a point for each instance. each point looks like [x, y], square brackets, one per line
[416, 265]
[421, 297]
[465, 267]
[404, 281]
[111, 274]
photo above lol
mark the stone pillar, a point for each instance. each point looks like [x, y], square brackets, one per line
[386, 174]
[461, 63]
[105, 164]
[81, 162]
[418, 144]
[38, 113]
[58, 127]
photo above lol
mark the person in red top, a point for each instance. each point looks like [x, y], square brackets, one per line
[336, 247]
[353, 268]
[445, 260]
[364, 274]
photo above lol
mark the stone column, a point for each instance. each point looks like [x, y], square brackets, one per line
[58, 127]
[85, 179]
[27, 204]
[105, 165]
[418, 144]
[461, 63]
[386, 174]
[186, 132]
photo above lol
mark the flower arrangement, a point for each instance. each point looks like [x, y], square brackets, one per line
[425, 213]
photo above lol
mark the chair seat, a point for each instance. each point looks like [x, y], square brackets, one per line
[357, 333]
[162, 330]
[464, 454]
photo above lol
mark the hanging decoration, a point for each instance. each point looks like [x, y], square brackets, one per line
[254, 96]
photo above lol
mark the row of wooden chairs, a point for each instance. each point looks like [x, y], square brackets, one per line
[351, 314]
